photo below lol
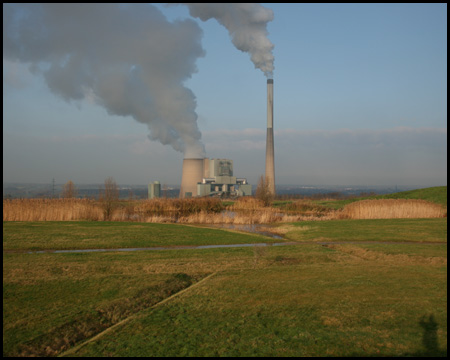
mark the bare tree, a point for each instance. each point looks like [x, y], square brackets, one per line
[109, 198]
[69, 190]
[263, 192]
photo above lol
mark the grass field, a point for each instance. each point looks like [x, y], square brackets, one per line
[389, 230]
[384, 294]
[63, 235]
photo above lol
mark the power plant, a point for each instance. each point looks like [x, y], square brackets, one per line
[214, 177]
[211, 177]
[270, 156]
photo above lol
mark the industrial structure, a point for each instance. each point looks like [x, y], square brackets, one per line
[154, 190]
[270, 156]
[214, 177]
[211, 177]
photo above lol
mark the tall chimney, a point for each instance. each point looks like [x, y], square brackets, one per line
[270, 157]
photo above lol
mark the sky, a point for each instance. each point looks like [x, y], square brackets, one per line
[360, 92]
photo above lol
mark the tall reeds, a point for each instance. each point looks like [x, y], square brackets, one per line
[51, 210]
[392, 209]
[246, 210]
[166, 210]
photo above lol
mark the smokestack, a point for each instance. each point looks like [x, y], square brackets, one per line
[270, 158]
[191, 175]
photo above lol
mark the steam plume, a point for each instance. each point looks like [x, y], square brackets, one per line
[129, 57]
[247, 26]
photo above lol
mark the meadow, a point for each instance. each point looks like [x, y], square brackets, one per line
[340, 287]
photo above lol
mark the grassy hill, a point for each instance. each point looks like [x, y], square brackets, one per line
[437, 194]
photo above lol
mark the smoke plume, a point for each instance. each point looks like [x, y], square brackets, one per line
[129, 57]
[247, 26]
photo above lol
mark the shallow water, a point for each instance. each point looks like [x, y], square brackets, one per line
[252, 228]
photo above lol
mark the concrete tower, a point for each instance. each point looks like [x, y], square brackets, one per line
[191, 175]
[270, 156]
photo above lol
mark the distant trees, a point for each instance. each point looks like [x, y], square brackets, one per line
[109, 198]
[263, 192]
[69, 190]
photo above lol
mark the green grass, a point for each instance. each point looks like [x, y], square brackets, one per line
[300, 300]
[57, 235]
[436, 195]
[394, 230]
[326, 310]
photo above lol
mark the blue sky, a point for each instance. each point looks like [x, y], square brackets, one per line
[360, 98]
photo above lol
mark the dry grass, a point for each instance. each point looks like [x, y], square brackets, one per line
[51, 210]
[262, 216]
[247, 203]
[391, 209]
[189, 211]
[247, 210]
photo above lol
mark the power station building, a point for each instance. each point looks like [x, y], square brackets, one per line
[214, 177]
[211, 177]
[154, 190]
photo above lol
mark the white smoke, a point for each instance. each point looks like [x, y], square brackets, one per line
[247, 26]
[129, 58]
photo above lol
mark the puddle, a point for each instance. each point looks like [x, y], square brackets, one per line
[260, 229]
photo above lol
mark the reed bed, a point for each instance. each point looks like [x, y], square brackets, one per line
[262, 216]
[188, 211]
[211, 211]
[307, 207]
[247, 203]
[392, 209]
[51, 210]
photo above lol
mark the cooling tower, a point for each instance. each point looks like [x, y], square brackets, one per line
[191, 175]
[270, 157]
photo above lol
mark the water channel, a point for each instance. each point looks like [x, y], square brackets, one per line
[245, 228]
[260, 229]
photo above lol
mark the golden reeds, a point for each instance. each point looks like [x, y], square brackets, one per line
[392, 209]
[211, 211]
[50, 210]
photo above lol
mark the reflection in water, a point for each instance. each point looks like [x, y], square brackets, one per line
[253, 228]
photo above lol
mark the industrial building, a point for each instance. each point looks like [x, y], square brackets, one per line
[211, 177]
[154, 190]
[214, 177]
